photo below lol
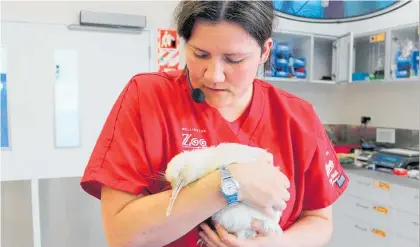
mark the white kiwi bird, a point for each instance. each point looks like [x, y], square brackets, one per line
[189, 166]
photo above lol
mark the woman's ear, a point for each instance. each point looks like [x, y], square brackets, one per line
[266, 50]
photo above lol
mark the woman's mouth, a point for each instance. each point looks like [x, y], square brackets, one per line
[215, 90]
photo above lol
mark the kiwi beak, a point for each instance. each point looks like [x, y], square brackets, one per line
[175, 192]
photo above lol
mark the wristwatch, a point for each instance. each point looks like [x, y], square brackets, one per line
[229, 186]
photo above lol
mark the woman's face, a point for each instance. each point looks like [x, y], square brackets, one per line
[223, 60]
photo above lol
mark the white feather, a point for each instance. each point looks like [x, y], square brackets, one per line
[189, 166]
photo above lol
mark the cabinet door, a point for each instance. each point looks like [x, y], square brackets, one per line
[348, 232]
[406, 199]
[405, 225]
[399, 241]
[343, 57]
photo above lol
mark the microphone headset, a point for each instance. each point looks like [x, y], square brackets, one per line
[196, 93]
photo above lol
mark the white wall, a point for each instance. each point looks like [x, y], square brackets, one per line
[33, 154]
[334, 104]
[389, 104]
[29, 159]
[159, 13]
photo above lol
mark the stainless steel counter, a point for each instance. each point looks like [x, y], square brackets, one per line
[383, 176]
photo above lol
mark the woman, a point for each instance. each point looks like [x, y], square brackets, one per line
[157, 116]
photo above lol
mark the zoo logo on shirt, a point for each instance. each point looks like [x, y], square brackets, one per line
[192, 139]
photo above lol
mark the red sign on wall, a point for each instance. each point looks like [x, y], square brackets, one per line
[168, 50]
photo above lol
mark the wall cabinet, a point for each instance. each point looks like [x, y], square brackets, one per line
[385, 55]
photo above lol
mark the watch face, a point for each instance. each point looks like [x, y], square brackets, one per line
[229, 187]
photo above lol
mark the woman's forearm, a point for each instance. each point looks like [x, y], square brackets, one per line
[308, 231]
[143, 222]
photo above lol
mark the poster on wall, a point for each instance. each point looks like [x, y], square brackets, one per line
[168, 50]
[3, 101]
[66, 107]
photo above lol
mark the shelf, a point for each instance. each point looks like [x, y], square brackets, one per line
[369, 57]
[405, 53]
[402, 81]
[290, 57]
[323, 60]
[365, 58]
[279, 79]
[307, 58]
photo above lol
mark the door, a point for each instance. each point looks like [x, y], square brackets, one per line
[92, 68]
[343, 58]
[62, 83]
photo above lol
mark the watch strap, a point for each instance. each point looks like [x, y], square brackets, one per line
[224, 172]
[232, 199]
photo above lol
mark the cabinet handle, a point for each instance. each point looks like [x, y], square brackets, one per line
[415, 223]
[381, 185]
[416, 197]
[360, 228]
[361, 206]
[379, 233]
[381, 209]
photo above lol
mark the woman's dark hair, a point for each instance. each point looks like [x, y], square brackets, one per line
[256, 17]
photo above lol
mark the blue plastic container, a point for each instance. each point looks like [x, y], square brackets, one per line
[281, 50]
[300, 75]
[299, 63]
[281, 62]
[401, 73]
[415, 61]
[402, 62]
[282, 74]
[359, 76]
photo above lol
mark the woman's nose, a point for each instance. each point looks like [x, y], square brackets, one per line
[215, 72]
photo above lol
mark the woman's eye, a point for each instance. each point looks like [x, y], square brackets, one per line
[235, 61]
[229, 60]
[200, 55]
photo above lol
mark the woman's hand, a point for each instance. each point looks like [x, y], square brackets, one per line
[221, 238]
[262, 185]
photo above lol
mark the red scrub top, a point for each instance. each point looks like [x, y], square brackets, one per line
[155, 118]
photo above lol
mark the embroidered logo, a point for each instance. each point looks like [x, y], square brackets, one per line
[332, 174]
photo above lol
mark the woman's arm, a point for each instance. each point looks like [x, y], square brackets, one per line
[141, 221]
[314, 228]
